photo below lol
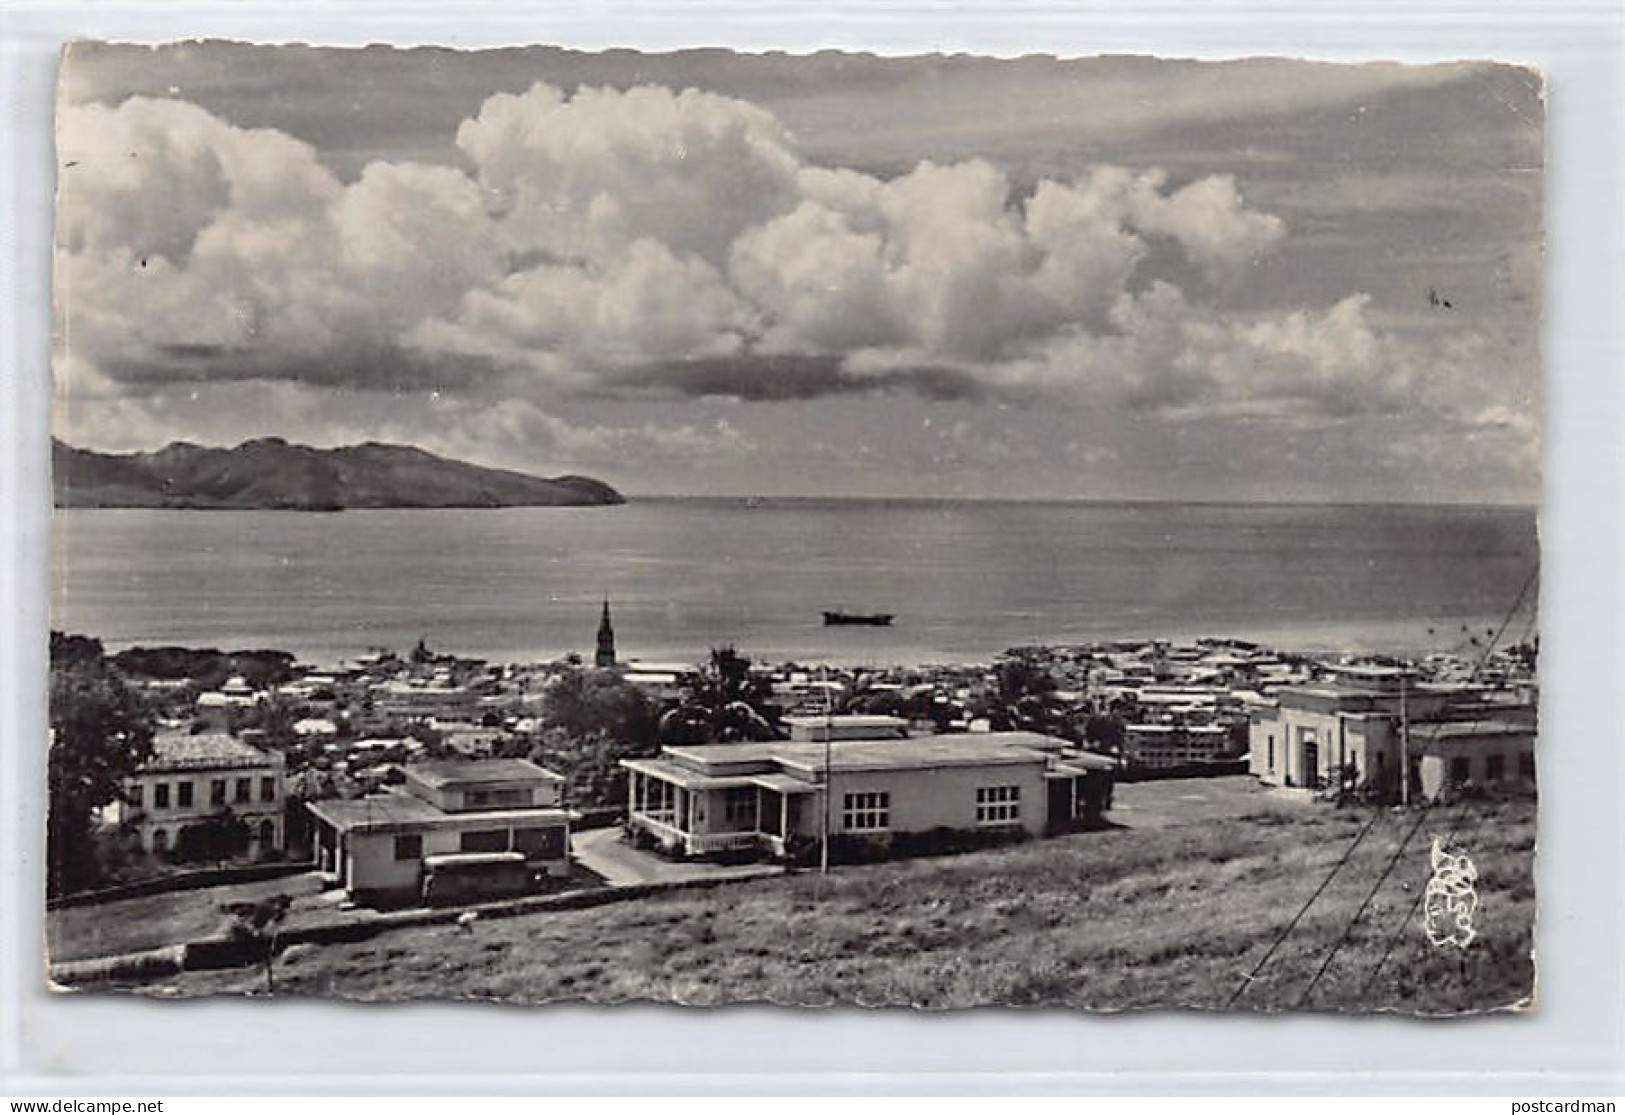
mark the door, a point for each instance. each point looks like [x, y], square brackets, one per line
[1311, 765]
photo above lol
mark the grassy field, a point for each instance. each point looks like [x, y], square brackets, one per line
[1123, 919]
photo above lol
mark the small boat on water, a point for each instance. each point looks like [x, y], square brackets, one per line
[851, 619]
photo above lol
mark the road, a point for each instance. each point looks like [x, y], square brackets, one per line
[605, 853]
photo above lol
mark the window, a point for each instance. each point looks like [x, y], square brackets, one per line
[409, 847]
[1461, 770]
[540, 843]
[160, 842]
[1270, 754]
[217, 791]
[160, 795]
[1495, 768]
[998, 805]
[739, 809]
[868, 811]
[183, 795]
[244, 790]
[268, 789]
[1526, 764]
[497, 798]
[135, 795]
[484, 840]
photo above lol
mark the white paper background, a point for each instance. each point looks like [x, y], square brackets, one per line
[1573, 1044]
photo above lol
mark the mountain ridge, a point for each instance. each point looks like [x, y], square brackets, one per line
[271, 473]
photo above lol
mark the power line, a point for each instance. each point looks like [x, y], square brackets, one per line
[1247, 980]
[1421, 893]
[1348, 930]
[1399, 928]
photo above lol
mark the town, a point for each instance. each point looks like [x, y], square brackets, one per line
[430, 779]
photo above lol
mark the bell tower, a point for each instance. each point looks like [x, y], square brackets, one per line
[605, 658]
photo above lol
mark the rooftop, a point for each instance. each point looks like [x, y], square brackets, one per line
[446, 772]
[395, 808]
[962, 749]
[1466, 729]
[848, 720]
[208, 751]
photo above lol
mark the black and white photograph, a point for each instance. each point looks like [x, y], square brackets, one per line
[930, 531]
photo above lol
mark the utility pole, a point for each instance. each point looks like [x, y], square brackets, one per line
[829, 734]
[1404, 742]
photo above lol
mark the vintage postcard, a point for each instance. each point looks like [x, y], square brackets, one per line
[834, 529]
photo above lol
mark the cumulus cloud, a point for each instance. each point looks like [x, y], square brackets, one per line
[583, 176]
[650, 241]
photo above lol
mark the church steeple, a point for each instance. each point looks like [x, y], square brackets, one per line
[605, 658]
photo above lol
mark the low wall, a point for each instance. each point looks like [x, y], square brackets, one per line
[134, 967]
[186, 880]
[1224, 768]
[227, 952]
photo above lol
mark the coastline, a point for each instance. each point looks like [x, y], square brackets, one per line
[1349, 637]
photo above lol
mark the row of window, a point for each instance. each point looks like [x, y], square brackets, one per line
[536, 843]
[497, 798]
[870, 810]
[1495, 767]
[1461, 767]
[242, 793]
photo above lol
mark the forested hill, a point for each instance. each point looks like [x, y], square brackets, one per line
[272, 474]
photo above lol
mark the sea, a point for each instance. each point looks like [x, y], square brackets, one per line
[964, 579]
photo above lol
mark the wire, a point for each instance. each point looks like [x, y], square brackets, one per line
[1399, 929]
[1247, 980]
[1348, 930]
[1421, 893]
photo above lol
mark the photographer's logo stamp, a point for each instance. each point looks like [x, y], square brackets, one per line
[1450, 900]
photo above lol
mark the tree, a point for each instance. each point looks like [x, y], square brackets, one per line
[592, 720]
[275, 716]
[1105, 732]
[726, 703]
[261, 922]
[101, 732]
[221, 836]
[583, 703]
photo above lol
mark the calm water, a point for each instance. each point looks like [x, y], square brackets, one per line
[965, 579]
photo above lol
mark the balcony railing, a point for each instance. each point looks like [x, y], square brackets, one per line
[697, 843]
[704, 843]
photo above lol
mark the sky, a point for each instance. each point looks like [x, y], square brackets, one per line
[833, 274]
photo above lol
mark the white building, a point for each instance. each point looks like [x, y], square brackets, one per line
[482, 814]
[771, 797]
[1311, 736]
[193, 778]
[816, 729]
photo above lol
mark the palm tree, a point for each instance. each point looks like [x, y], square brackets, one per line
[725, 704]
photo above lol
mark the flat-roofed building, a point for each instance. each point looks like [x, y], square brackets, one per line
[1452, 756]
[854, 726]
[192, 780]
[383, 847]
[772, 796]
[1172, 745]
[405, 699]
[1323, 735]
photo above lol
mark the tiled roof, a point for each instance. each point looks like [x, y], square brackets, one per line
[208, 751]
